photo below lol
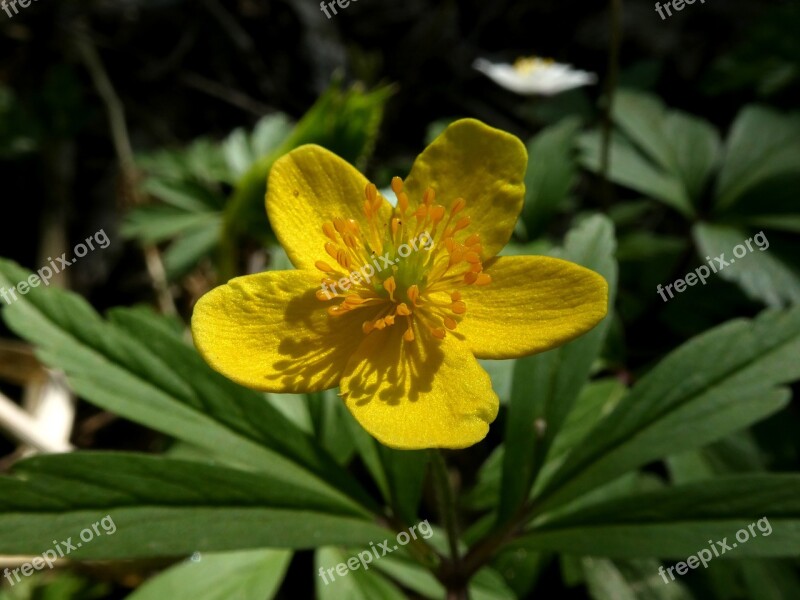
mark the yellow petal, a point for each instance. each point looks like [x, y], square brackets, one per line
[308, 187]
[269, 332]
[483, 165]
[420, 394]
[533, 304]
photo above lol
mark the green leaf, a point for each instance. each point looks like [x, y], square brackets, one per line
[155, 223]
[405, 474]
[189, 196]
[596, 400]
[737, 453]
[355, 584]
[762, 274]
[487, 584]
[154, 506]
[202, 161]
[715, 384]
[762, 144]
[642, 118]
[244, 575]
[242, 150]
[629, 580]
[770, 579]
[193, 245]
[682, 145]
[330, 419]
[546, 385]
[143, 371]
[551, 173]
[629, 168]
[696, 145]
[677, 522]
[486, 491]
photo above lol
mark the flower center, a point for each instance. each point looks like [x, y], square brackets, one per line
[407, 270]
[527, 65]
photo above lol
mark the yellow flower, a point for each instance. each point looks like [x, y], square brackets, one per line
[403, 344]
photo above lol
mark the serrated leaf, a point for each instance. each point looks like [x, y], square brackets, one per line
[193, 245]
[146, 373]
[677, 522]
[165, 507]
[190, 196]
[715, 384]
[155, 223]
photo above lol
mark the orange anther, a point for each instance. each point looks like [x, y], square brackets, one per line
[324, 267]
[458, 206]
[397, 185]
[329, 231]
[458, 307]
[413, 293]
[462, 223]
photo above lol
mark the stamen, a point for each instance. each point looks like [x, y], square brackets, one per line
[324, 267]
[390, 286]
[412, 288]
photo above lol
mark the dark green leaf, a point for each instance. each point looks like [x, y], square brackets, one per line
[164, 507]
[547, 385]
[717, 383]
[761, 273]
[678, 522]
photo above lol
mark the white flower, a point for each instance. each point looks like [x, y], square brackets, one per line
[535, 75]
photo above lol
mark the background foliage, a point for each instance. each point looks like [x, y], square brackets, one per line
[668, 425]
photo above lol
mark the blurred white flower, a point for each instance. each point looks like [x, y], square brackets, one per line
[535, 75]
